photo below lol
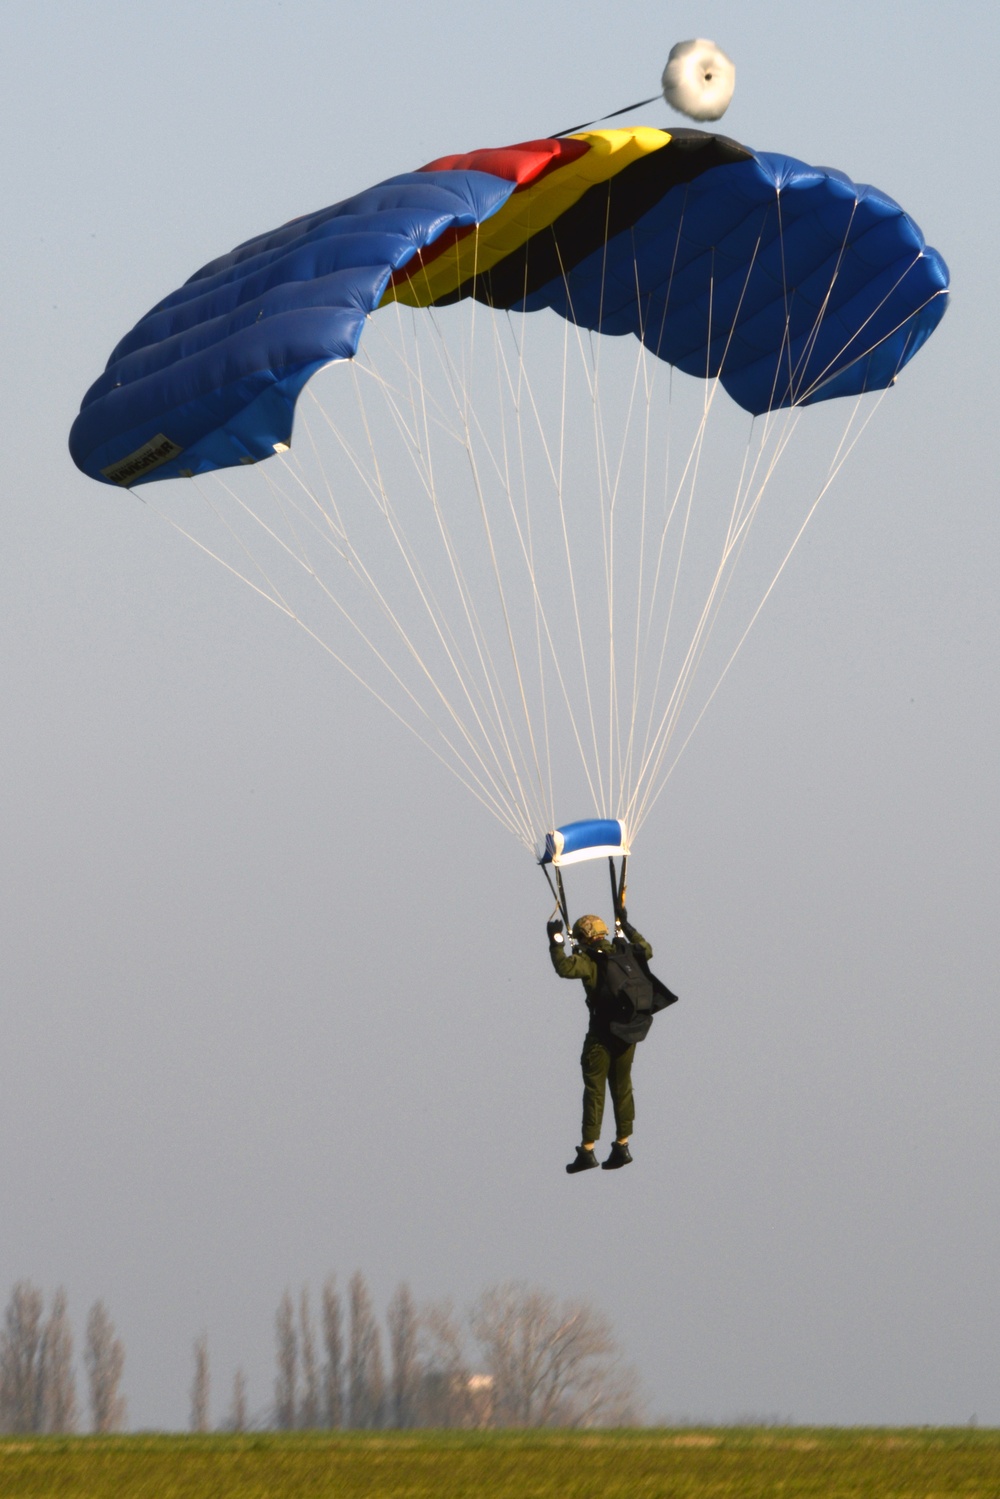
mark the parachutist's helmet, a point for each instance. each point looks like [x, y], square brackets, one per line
[588, 930]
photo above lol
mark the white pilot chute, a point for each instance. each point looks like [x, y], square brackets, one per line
[699, 79]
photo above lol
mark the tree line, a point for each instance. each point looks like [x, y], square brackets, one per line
[518, 1356]
[37, 1380]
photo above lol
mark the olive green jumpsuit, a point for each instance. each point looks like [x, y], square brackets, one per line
[606, 1060]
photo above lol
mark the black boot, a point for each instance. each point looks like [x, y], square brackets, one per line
[620, 1156]
[585, 1160]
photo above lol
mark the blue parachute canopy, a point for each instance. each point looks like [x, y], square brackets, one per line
[789, 283]
[594, 838]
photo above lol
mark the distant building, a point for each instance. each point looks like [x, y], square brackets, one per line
[456, 1399]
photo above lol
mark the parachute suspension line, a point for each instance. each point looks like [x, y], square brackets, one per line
[504, 476]
[528, 547]
[744, 513]
[591, 771]
[585, 672]
[297, 555]
[819, 381]
[641, 644]
[467, 411]
[500, 788]
[587, 368]
[533, 808]
[746, 509]
[736, 540]
[654, 743]
[360, 571]
[436, 615]
[514, 389]
[502, 598]
[843, 452]
[626, 754]
[271, 597]
[556, 470]
[798, 394]
[617, 751]
[608, 484]
[810, 342]
[688, 479]
[609, 479]
[737, 533]
[490, 674]
[688, 483]
[459, 383]
[497, 791]
[786, 342]
[837, 462]
[275, 599]
[524, 381]
[794, 395]
[335, 521]
[640, 377]
[606, 502]
[522, 529]
[690, 475]
[499, 713]
[473, 623]
[242, 545]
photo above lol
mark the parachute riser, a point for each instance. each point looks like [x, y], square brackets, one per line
[558, 892]
[618, 886]
[590, 838]
[618, 889]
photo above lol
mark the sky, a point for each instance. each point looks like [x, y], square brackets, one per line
[275, 996]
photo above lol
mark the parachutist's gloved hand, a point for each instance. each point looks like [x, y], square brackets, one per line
[555, 931]
[626, 926]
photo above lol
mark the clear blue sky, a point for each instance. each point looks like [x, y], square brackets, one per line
[275, 995]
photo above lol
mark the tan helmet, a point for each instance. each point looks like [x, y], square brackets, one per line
[588, 930]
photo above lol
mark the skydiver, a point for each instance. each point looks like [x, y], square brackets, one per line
[606, 1059]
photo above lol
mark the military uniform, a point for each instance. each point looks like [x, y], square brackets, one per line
[606, 1060]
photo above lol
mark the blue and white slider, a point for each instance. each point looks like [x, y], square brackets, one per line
[594, 838]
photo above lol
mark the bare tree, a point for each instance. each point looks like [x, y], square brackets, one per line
[365, 1381]
[58, 1385]
[286, 1384]
[444, 1398]
[552, 1363]
[238, 1411]
[21, 1360]
[200, 1386]
[333, 1366]
[404, 1379]
[308, 1414]
[104, 1358]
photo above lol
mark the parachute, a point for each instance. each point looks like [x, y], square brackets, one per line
[488, 515]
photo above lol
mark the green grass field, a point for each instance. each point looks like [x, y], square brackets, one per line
[707, 1463]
